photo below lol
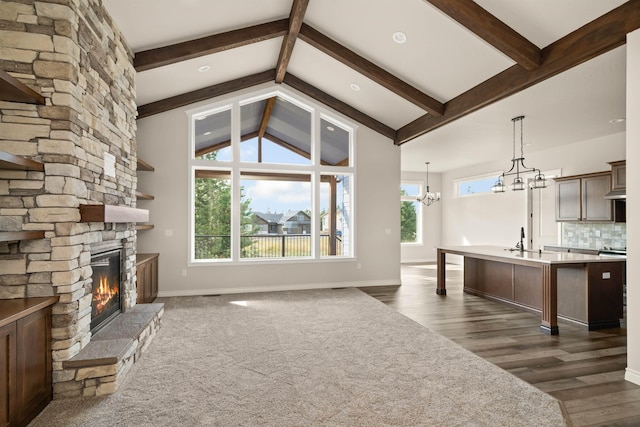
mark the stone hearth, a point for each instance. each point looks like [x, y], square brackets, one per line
[100, 367]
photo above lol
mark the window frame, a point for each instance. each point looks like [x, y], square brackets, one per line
[410, 198]
[458, 181]
[235, 166]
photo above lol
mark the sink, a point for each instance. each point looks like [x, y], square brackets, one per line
[524, 250]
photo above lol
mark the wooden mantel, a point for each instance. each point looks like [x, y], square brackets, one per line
[110, 213]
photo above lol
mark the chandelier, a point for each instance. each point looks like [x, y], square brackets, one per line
[428, 198]
[518, 167]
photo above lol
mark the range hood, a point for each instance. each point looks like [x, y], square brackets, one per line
[616, 195]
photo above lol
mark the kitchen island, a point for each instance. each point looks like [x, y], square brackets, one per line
[585, 289]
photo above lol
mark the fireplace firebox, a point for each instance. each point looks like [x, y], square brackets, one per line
[107, 278]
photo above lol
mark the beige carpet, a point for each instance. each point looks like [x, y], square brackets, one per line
[305, 358]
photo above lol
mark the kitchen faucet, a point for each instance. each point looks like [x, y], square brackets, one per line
[520, 245]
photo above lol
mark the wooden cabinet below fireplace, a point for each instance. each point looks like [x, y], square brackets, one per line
[147, 274]
[25, 359]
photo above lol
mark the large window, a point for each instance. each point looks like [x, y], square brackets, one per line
[272, 179]
[410, 212]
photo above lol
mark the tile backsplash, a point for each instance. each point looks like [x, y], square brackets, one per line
[594, 235]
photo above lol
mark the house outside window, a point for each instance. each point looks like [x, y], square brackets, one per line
[410, 213]
[267, 172]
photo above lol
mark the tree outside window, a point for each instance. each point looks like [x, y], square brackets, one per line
[410, 212]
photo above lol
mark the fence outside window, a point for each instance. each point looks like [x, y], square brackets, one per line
[263, 246]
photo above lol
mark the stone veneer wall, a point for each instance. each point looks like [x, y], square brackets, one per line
[594, 235]
[71, 52]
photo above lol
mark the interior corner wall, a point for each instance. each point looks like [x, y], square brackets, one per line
[495, 219]
[162, 142]
[633, 207]
[430, 225]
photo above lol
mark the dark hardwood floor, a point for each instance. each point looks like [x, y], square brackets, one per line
[585, 370]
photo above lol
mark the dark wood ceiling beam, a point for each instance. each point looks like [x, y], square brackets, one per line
[595, 38]
[284, 144]
[166, 55]
[209, 92]
[492, 30]
[296, 16]
[370, 70]
[339, 106]
[220, 145]
[266, 115]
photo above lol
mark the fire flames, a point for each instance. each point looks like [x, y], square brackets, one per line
[104, 294]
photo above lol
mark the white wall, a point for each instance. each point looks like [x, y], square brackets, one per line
[633, 207]
[162, 142]
[495, 219]
[431, 220]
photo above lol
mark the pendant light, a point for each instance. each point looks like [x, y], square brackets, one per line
[518, 167]
[428, 198]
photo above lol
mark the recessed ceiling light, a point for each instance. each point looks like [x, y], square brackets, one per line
[207, 133]
[620, 120]
[399, 37]
[355, 87]
[204, 68]
[330, 128]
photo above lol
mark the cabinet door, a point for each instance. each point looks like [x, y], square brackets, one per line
[568, 206]
[142, 273]
[33, 389]
[594, 206]
[619, 175]
[153, 279]
[7, 373]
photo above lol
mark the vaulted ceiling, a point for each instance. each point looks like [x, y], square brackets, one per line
[444, 90]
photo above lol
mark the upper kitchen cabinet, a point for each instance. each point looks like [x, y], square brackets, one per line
[581, 198]
[619, 175]
[568, 203]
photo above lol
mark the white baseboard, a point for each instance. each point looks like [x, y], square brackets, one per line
[417, 261]
[298, 287]
[632, 375]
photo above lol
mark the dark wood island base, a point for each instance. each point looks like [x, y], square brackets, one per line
[584, 289]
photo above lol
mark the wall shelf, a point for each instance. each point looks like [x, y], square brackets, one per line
[13, 90]
[144, 196]
[10, 161]
[12, 236]
[110, 213]
[144, 227]
[144, 166]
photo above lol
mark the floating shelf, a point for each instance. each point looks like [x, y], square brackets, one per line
[9, 161]
[110, 213]
[12, 236]
[144, 166]
[144, 226]
[12, 90]
[144, 196]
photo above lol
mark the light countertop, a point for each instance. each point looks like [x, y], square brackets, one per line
[500, 253]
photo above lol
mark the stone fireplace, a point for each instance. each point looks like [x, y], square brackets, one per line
[72, 54]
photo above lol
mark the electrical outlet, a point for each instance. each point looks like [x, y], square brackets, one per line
[184, 272]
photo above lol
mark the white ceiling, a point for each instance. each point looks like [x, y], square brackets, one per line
[440, 57]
